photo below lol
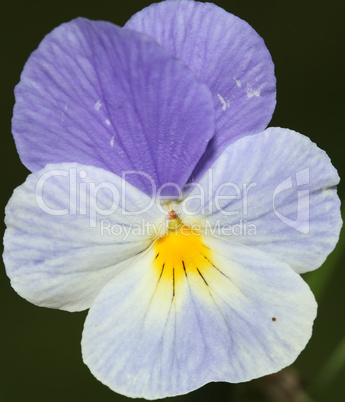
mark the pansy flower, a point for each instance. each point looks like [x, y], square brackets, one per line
[159, 201]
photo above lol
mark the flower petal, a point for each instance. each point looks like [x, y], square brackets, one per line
[243, 317]
[225, 53]
[275, 191]
[68, 234]
[99, 95]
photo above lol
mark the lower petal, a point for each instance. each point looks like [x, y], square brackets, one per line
[178, 319]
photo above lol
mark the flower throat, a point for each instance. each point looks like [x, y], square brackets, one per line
[181, 253]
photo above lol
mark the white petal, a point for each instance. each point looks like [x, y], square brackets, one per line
[159, 331]
[275, 191]
[68, 234]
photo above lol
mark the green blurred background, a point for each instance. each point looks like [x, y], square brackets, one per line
[40, 348]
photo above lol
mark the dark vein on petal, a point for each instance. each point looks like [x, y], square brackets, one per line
[202, 276]
[227, 277]
[217, 268]
[161, 273]
[173, 282]
[184, 268]
[197, 314]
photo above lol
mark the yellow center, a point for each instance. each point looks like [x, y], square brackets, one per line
[180, 253]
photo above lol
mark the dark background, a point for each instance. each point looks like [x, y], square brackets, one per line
[40, 348]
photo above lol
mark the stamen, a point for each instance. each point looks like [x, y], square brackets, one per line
[172, 215]
[174, 221]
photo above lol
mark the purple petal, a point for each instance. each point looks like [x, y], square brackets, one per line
[243, 317]
[275, 191]
[226, 54]
[68, 234]
[99, 95]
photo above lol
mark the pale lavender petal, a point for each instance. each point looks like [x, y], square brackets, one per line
[225, 53]
[244, 317]
[99, 95]
[69, 232]
[275, 191]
